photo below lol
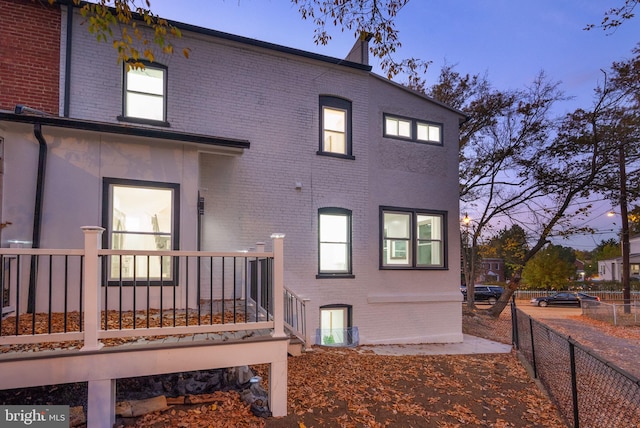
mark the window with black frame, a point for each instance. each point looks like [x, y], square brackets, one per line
[144, 97]
[335, 127]
[140, 215]
[412, 239]
[334, 243]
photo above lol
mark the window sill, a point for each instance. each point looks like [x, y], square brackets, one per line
[413, 268]
[335, 155]
[144, 121]
[335, 275]
[412, 140]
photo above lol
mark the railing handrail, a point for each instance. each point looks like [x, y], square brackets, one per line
[93, 301]
[80, 252]
[300, 329]
[288, 291]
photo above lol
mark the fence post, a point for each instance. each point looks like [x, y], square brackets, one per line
[92, 236]
[533, 349]
[278, 285]
[515, 339]
[574, 385]
[615, 314]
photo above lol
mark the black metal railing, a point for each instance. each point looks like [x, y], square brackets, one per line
[588, 390]
[135, 293]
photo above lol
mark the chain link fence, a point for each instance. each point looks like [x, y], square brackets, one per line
[589, 391]
[613, 313]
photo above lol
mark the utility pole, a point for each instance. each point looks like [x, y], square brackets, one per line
[624, 239]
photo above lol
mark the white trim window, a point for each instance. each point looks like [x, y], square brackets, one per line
[412, 239]
[140, 216]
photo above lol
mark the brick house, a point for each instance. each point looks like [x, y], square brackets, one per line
[491, 270]
[218, 151]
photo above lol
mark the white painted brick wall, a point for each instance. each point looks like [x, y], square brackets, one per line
[271, 99]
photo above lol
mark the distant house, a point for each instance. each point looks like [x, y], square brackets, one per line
[610, 270]
[218, 151]
[491, 270]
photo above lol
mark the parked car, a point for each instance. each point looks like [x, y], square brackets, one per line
[484, 293]
[563, 298]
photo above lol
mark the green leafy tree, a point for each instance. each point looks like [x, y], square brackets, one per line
[634, 221]
[550, 269]
[135, 32]
[609, 249]
[510, 244]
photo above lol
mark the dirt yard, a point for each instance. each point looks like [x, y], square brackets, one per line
[338, 387]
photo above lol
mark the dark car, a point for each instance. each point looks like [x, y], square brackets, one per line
[563, 298]
[484, 293]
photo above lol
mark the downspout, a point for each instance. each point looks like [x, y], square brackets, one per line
[67, 62]
[37, 215]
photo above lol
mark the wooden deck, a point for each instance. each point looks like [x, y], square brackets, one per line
[143, 357]
[97, 346]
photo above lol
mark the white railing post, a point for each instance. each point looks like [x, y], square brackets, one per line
[278, 285]
[91, 301]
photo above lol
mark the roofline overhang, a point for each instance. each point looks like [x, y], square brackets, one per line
[463, 116]
[251, 42]
[131, 130]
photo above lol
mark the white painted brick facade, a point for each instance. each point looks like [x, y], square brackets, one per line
[234, 90]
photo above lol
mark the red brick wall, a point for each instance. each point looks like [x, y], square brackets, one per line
[29, 55]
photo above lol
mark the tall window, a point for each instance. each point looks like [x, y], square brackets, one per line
[334, 242]
[335, 127]
[140, 215]
[412, 129]
[145, 94]
[412, 239]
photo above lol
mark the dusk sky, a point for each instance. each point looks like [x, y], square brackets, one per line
[509, 41]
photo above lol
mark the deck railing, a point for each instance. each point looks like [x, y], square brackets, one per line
[94, 295]
[295, 315]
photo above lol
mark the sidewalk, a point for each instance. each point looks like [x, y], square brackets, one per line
[470, 345]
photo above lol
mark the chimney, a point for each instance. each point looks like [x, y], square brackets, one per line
[360, 51]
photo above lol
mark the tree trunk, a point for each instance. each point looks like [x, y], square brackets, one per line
[502, 303]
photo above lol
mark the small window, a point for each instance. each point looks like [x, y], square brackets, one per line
[140, 216]
[412, 129]
[335, 127]
[429, 132]
[336, 326]
[144, 98]
[398, 127]
[412, 239]
[334, 243]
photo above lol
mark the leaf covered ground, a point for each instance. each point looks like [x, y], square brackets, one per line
[357, 388]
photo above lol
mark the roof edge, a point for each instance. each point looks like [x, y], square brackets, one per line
[464, 116]
[136, 131]
[250, 41]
